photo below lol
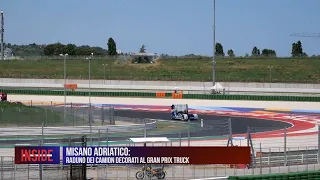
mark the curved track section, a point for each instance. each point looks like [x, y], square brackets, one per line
[239, 124]
[213, 126]
[34, 131]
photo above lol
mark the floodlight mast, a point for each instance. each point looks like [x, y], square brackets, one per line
[2, 35]
[214, 45]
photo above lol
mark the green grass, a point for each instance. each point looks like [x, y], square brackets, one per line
[296, 70]
[18, 115]
[162, 128]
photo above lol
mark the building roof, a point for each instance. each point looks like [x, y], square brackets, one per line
[143, 54]
[149, 140]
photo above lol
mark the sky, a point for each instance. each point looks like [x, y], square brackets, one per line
[174, 27]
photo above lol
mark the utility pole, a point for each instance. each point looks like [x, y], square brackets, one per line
[2, 34]
[90, 110]
[64, 87]
[214, 45]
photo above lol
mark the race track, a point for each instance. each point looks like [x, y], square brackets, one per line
[239, 124]
[214, 126]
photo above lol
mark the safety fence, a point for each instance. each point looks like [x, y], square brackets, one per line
[49, 114]
[163, 95]
[293, 175]
[283, 154]
[279, 155]
[9, 170]
[272, 163]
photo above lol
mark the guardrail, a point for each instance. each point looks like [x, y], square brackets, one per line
[288, 160]
[100, 87]
[293, 175]
[78, 129]
[266, 162]
[168, 95]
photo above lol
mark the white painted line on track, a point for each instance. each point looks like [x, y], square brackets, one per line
[226, 177]
[22, 144]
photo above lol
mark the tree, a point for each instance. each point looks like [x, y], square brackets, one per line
[49, 50]
[142, 49]
[71, 49]
[269, 53]
[255, 52]
[230, 53]
[112, 47]
[297, 50]
[219, 50]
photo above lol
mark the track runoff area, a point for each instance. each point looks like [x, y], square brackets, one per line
[216, 119]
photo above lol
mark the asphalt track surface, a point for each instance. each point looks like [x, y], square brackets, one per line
[213, 126]
[218, 124]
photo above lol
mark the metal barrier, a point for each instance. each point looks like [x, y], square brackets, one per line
[8, 170]
[288, 160]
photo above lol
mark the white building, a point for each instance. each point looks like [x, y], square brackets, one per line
[8, 53]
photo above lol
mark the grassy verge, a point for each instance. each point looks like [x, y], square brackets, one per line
[297, 70]
[17, 115]
[162, 128]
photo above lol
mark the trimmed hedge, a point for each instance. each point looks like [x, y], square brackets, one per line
[288, 176]
[168, 95]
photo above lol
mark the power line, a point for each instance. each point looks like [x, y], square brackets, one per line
[305, 34]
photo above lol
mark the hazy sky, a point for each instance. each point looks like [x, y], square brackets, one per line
[175, 27]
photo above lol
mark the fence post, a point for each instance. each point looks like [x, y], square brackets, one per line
[73, 114]
[99, 137]
[269, 160]
[318, 144]
[28, 171]
[285, 146]
[13, 168]
[230, 138]
[145, 128]
[2, 168]
[40, 165]
[260, 158]
[90, 123]
[102, 115]
[46, 119]
[107, 137]
[188, 132]
[307, 158]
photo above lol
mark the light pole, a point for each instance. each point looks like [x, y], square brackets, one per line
[2, 34]
[64, 86]
[104, 73]
[270, 77]
[90, 111]
[90, 78]
[214, 45]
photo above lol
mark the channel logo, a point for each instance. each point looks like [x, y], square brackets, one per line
[37, 155]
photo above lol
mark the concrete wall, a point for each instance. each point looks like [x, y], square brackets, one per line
[205, 85]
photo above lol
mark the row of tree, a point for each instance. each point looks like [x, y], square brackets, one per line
[255, 52]
[297, 51]
[59, 48]
[73, 50]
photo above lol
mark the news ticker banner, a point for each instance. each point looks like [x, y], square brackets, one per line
[37, 155]
[132, 155]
